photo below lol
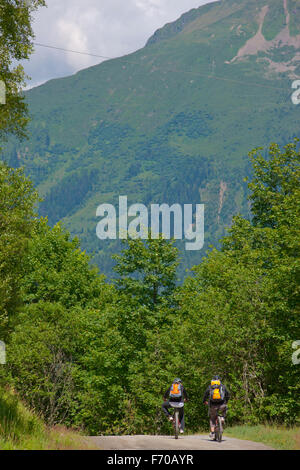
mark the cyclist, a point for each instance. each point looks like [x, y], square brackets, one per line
[216, 397]
[175, 393]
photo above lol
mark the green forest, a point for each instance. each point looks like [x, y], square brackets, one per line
[172, 122]
[98, 354]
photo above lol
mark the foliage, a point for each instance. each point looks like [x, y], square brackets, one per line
[17, 198]
[244, 307]
[147, 270]
[41, 359]
[15, 44]
[72, 190]
[58, 271]
[277, 437]
[22, 429]
[50, 337]
[275, 20]
[98, 356]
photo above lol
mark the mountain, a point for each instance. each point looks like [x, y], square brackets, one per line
[171, 123]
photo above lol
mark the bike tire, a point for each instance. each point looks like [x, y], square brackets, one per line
[176, 424]
[220, 429]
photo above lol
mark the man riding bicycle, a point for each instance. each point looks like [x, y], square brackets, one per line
[216, 396]
[176, 393]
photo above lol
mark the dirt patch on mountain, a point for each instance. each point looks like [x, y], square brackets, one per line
[258, 43]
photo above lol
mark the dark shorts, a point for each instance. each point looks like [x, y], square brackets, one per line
[213, 411]
[165, 407]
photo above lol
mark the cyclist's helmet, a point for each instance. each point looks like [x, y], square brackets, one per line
[177, 381]
[216, 377]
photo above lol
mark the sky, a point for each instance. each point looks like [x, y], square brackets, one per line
[111, 28]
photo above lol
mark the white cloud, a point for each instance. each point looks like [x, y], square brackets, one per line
[110, 28]
[72, 36]
[151, 7]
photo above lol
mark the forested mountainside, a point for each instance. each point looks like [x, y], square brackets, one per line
[171, 123]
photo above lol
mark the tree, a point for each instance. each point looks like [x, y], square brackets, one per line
[148, 271]
[65, 346]
[17, 196]
[56, 270]
[273, 235]
[16, 35]
[275, 186]
[70, 365]
[17, 199]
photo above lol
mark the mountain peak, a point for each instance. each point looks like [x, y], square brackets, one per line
[175, 27]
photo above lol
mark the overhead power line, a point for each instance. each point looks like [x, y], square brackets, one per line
[70, 50]
[190, 72]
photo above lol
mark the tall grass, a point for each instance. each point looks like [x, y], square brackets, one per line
[22, 429]
[278, 437]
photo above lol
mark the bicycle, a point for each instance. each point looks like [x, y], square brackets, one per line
[219, 427]
[176, 421]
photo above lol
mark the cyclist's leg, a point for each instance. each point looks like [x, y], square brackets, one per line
[165, 408]
[212, 417]
[223, 410]
[181, 418]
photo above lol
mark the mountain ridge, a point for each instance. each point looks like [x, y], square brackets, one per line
[175, 27]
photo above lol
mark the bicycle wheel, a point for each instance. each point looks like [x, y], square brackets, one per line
[176, 423]
[220, 429]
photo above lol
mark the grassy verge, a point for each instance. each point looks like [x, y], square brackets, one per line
[20, 429]
[275, 436]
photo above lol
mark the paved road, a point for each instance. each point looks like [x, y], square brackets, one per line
[196, 442]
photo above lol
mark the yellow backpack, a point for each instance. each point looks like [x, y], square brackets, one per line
[217, 391]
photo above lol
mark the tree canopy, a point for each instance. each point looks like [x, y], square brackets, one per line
[16, 36]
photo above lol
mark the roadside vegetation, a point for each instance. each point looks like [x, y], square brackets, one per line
[21, 429]
[278, 437]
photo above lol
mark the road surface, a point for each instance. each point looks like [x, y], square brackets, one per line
[196, 442]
